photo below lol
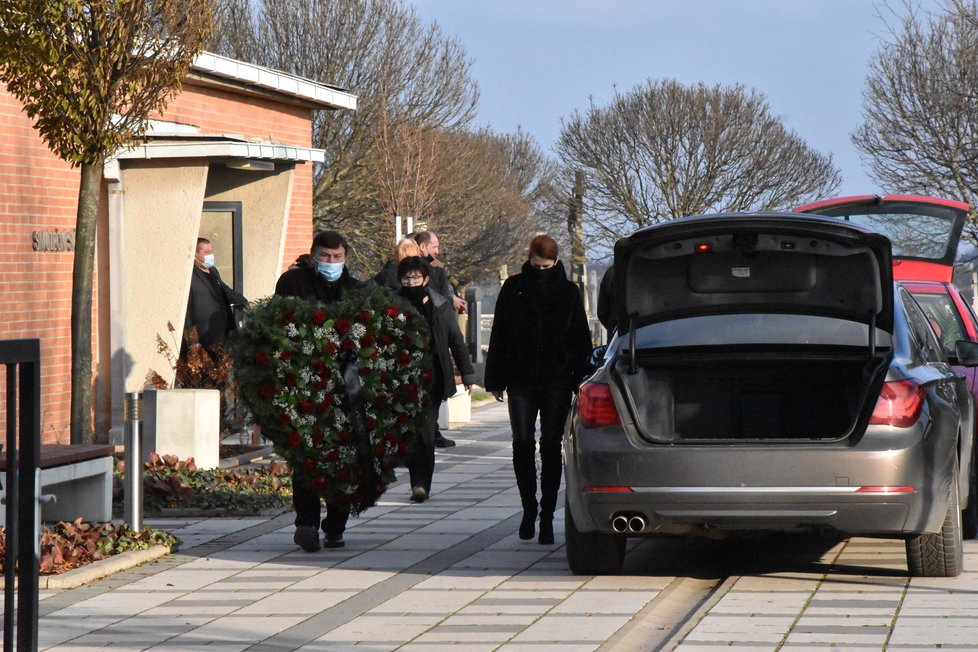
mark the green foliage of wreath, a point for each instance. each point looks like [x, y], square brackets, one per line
[288, 362]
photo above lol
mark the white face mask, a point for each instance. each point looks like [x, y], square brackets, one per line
[208, 261]
[330, 271]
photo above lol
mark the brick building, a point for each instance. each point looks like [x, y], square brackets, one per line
[231, 159]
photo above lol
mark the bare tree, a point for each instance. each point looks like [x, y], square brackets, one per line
[404, 72]
[90, 73]
[487, 201]
[920, 104]
[665, 150]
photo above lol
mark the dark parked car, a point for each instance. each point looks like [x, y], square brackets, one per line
[924, 233]
[768, 375]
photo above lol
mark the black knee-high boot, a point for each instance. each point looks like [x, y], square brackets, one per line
[525, 467]
[551, 468]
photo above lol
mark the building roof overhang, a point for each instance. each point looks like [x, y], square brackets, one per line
[221, 148]
[214, 70]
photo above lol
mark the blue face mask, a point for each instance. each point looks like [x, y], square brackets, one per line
[330, 271]
[208, 261]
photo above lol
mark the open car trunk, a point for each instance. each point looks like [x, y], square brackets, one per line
[745, 327]
[743, 396]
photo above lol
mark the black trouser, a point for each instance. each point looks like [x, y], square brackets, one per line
[421, 462]
[552, 405]
[307, 505]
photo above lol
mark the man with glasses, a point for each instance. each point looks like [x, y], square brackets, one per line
[325, 281]
[446, 344]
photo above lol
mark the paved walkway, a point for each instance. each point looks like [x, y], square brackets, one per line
[452, 574]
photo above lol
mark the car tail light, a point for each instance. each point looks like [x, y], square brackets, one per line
[596, 406]
[899, 404]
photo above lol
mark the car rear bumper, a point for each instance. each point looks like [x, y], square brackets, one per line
[861, 489]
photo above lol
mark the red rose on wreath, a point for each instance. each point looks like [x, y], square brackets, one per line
[364, 316]
[290, 380]
[318, 317]
[348, 345]
[285, 356]
[268, 391]
[261, 357]
[306, 407]
[392, 312]
[295, 439]
[342, 326]
[319, 482]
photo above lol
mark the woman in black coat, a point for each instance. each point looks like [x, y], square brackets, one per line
[538, 352]
[446, 344]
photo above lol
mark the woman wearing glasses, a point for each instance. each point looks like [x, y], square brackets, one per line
[446, 344]
[538, 352]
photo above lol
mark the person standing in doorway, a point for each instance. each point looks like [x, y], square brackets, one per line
[438, 281]
[446, 344]
[210, 308]
[538, 353]
[325, 281]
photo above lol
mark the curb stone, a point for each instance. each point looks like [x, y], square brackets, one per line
[101, 568]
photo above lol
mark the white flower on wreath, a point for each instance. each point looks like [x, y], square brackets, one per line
[358, 330]
[291, 330]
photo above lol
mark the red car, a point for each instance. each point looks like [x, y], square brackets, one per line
[924, 232]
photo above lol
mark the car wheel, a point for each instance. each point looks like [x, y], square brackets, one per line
[591, 553]
[940, 554]
[969, 515]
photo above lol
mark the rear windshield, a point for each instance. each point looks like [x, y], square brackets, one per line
[758, 329]
[915, 230]
[944, 319]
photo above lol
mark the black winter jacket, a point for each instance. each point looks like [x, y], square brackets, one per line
[540, 336]
[209, 307]
[448, 344]
[307, 283]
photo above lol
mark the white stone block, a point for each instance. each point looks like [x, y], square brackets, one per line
[457, 409]
[183, 422]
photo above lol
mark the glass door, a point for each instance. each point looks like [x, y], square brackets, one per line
[220, 222]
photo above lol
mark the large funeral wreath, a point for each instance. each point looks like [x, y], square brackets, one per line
[299, 365]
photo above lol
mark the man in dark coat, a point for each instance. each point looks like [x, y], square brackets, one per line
[446, 344]
[210, 308]
[325, 281]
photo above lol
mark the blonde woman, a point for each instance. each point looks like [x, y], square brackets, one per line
[388, 275]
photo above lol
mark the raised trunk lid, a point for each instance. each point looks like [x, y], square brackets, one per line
[924, 231]
[754, 263]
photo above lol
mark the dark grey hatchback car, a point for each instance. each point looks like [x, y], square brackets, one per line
[768, 376]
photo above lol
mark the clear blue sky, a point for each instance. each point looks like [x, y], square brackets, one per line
[538, 60]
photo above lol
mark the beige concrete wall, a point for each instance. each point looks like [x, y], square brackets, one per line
[265, 199]
[162, 205]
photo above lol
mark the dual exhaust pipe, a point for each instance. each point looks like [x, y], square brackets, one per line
[628, 523]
